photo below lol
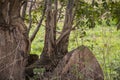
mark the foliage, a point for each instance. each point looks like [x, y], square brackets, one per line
[104, 42]
[103, 39]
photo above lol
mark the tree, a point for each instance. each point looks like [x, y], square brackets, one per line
[55, 49]
[77, 13]
[14, 43]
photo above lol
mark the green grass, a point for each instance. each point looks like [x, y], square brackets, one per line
[103, 41]
[38, 43]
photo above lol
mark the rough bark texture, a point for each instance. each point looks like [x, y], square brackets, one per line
[14, 42]
[49, 49]
[79, 64]
[63, 40]
[76, 65]
[54, 50]
[23, 10]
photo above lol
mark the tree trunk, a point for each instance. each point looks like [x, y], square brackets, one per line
[14, 42]
[49, 50]
[63, 40]
[54, 50]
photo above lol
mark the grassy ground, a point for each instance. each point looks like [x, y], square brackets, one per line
[105, 44]
[103, 41]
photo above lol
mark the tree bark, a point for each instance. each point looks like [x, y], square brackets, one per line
[63, 40]
[54, 50]
[49, 50]
[14, 44]
[79, 64]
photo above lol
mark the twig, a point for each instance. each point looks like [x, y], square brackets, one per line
[73, 28]
[60, 12]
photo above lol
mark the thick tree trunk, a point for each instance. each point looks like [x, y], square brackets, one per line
[14, 42]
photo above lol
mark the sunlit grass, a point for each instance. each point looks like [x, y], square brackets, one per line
[103, 41]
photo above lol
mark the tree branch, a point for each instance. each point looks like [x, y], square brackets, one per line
[39, 24]
[30, 16]
[24, 10]
[63, 38]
